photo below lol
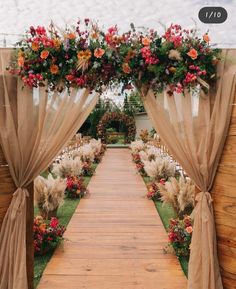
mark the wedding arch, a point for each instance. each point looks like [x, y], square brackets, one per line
[187, 88]
[123, 118]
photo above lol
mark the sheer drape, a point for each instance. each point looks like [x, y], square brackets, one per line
[34, 127]
[194, 129]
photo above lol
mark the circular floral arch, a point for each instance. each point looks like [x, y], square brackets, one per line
[128, 121]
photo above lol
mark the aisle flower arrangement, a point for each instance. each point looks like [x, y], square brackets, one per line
[180, 234]
[47, 235]
[86, 56]
[75, 187]
[153, 192]
[87, 169]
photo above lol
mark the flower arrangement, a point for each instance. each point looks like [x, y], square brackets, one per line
[49, 195]
[136, 158]
[153, 192]
[180, 234]
[127, 120]
[88, 57]
[75, 187]
[140, 168]
[87, 169]
[46, 235]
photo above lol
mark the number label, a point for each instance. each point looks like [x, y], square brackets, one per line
[213, 15]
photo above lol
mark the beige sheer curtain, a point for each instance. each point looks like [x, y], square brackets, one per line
[194, 129]
[34, 127]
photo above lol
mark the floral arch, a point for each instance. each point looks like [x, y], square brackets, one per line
[127, 120]
[91, 59]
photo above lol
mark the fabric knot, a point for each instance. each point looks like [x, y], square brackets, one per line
[201, 195]
[21, 190]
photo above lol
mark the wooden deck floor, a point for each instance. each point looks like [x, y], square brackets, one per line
[115, 238]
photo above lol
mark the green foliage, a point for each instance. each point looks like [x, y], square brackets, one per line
[90, 125]
[133, 104]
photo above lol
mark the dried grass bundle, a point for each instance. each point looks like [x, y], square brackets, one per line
[49, 193]
[67, 167]
[180, 193]
[159, 168]
[137, 146]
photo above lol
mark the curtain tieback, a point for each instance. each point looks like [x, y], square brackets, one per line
[202, 195]
[21, 190]
[19, 204]
[204, 200]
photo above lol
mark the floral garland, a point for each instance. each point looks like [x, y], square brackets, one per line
[88, 57]
[117, 116]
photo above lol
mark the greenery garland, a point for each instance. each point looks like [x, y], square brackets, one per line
[85, 56]
[128, 121]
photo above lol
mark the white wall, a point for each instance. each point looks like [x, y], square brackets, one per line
[142, 121]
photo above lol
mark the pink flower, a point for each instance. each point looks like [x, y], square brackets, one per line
[190, 77]
[189, 229]
[54, 222]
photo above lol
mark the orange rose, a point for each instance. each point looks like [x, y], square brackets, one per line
[94, 35]
[54, 69]
[206, 38]
[98, 52]
[189, 229]
[42, 227]
[35, 46]
[70, 35]
[44, 54]
[193, 53]
[126, 68]
[21, 61]
[146, 41]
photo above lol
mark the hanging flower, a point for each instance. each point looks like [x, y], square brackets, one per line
[98, 52]
[126, 68]
[35, 46]
[193, 53]
[21, 61]
[70, 35]
[146, 41]
[54, 69]
[206, 38]
[44, 54]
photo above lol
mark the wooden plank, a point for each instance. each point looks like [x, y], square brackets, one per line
[114, 242]
[224, 203]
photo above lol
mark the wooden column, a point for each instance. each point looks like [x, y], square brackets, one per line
[7, 188]
[224, 203]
